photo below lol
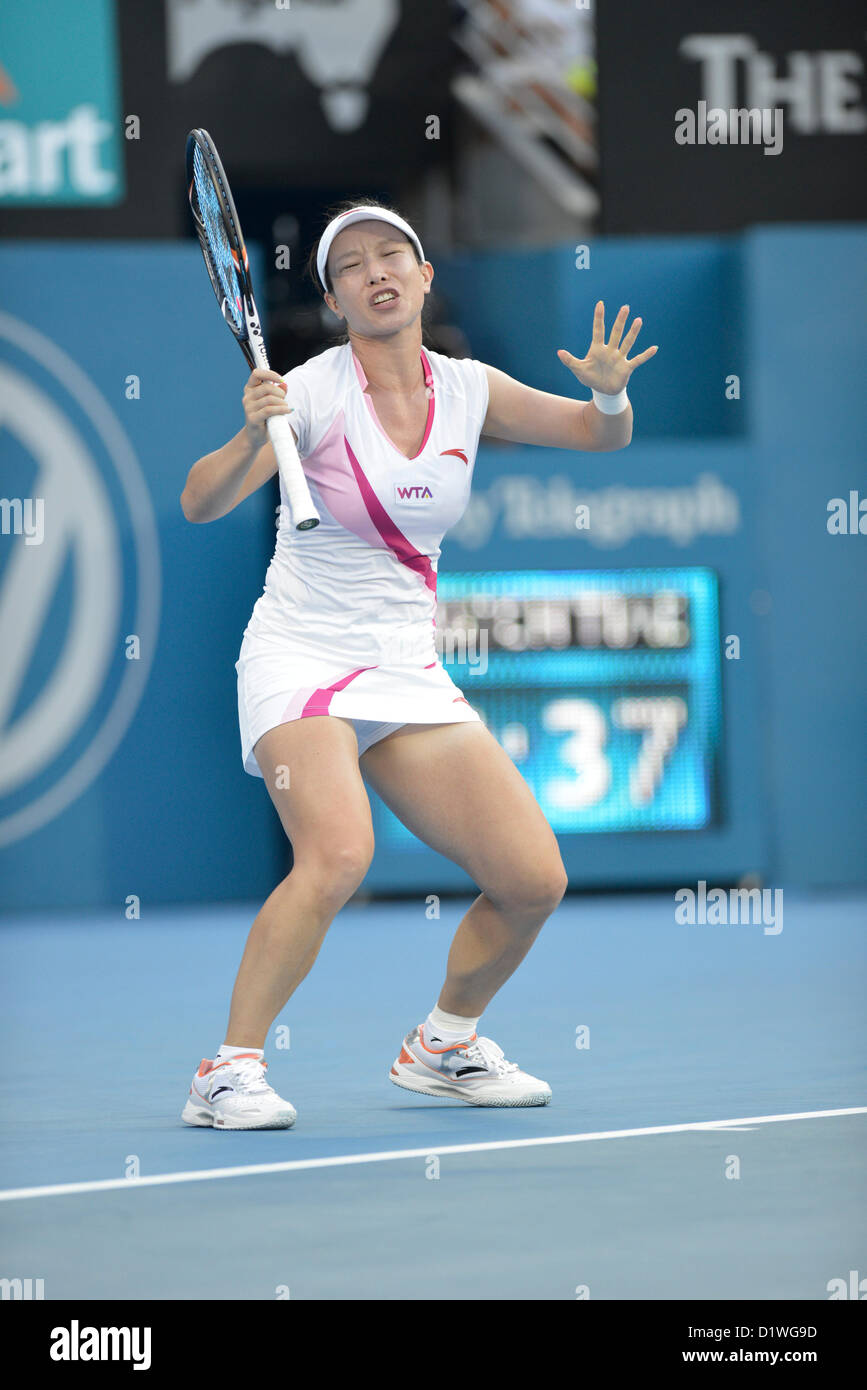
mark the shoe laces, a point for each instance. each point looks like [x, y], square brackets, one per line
[248, 1075]
[490, 1055]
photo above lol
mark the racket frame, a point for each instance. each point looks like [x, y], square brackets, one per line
[248, 334]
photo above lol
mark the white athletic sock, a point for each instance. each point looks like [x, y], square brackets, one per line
[448, 1028]
[227, 1052]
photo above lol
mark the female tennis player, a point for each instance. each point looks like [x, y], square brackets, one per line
[338, 672]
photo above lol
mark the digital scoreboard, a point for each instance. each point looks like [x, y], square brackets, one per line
[602, 686]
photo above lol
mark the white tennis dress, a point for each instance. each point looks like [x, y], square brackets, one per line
[346, 622]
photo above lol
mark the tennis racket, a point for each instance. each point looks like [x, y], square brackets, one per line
[225, 254]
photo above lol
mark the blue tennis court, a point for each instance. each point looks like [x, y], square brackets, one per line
[705, 1141]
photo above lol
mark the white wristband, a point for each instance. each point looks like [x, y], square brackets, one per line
[611, 405]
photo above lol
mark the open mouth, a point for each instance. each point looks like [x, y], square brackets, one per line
[384, 297]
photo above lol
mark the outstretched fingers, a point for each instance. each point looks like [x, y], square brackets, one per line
[599, 323]
[618, 327]
[642, 357]
[568, 359]
[630, 337]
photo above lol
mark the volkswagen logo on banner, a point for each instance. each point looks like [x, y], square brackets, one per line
[79, 581]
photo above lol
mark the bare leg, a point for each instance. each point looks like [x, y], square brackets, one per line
[326, 815]
[459, 792]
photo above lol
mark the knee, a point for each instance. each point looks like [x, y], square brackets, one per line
[548, 885]
[559, 884]
[339, 866]
[537, 891]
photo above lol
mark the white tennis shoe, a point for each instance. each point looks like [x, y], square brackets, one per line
[476, 1072]
[235, 1095]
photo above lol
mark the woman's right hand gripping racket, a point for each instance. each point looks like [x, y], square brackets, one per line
[225, 256]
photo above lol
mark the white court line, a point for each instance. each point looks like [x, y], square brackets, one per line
[14, 1194]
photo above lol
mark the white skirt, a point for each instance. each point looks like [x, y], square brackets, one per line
[278, 684]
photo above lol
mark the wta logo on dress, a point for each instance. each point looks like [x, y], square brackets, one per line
[418, 493]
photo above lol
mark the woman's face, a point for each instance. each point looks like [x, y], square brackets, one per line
[378, 285]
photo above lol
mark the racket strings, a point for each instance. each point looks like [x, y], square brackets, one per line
[216, 236]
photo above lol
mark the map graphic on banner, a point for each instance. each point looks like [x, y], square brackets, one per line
[337, 43]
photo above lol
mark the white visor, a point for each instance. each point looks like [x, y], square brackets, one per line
[359, 215]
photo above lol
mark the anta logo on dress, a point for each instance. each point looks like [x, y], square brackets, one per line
[458, 453]
[412, 494]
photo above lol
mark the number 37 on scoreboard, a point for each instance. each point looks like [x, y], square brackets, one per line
[574, 752]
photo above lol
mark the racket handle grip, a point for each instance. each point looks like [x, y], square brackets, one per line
[302, 512]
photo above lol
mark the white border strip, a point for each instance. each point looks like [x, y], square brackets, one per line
[15, 1194]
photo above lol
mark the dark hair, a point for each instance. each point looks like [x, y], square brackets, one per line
[334, 211]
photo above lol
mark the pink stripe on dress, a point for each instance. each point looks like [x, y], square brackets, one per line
[429, 383]
[304, 700]
[329, 469]
[395, 539]
[295, 707]
[320, 699]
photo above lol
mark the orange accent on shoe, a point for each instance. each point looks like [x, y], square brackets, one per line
[394, 1071]
[405, 1056]
[438, 1051]
[215, 1066]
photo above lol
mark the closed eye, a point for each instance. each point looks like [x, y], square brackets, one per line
[351, 265]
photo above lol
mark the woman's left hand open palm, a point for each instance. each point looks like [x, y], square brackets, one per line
[606, 368]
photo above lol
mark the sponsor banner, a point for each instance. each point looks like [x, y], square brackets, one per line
[720, 116]
[337, 45]
[61, 143]
[318, 98]
[348, 90]
[80, 569]
[530, 506]
[120, 623]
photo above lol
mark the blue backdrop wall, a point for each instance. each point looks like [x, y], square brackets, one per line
[805, 290]
[106, 404]
[120, 766]
[780, 310]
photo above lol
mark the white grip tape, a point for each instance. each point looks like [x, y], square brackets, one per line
[300, 502]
